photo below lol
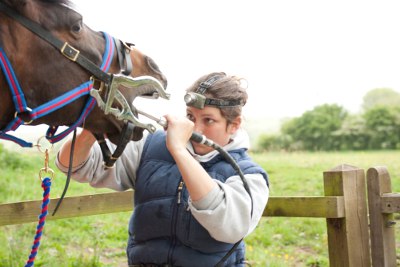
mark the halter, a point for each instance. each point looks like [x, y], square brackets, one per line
[21, 106]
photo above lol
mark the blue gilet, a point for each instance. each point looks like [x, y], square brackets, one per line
[162, 229]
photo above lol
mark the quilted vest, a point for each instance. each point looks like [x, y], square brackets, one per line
[162, 229]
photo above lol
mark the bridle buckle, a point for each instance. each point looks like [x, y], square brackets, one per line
[70, 52]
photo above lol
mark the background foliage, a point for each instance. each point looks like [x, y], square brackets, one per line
[330, 127]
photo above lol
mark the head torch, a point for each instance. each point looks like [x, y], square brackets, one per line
[199, 100]
[195, 100]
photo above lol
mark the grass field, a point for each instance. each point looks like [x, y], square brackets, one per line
[100, 240]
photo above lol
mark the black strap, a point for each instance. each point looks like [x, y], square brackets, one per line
[67, 50]
[222, 103]
[129, 65]
[207, 84]
[124, 57]
[125, 137]
[71, 158]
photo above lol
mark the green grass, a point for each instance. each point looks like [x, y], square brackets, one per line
[100, 240]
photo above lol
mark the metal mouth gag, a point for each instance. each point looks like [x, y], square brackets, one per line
[124, 111]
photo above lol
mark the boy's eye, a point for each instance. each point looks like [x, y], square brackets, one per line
[190, 117]
[209, 121]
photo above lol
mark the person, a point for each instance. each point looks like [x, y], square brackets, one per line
[191, 206]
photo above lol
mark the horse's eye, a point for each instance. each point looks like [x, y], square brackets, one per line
[77, 27]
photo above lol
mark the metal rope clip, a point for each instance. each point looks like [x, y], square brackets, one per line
[46, 168]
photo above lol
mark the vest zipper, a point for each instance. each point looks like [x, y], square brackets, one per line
[179, 195]
[175, 219]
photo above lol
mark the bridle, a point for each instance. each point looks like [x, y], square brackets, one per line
[109, 84]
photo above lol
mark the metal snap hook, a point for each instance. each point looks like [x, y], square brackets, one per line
[42, 147]
[48, 171]
[46, 168]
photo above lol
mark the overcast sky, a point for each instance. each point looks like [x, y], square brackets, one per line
[294, 54]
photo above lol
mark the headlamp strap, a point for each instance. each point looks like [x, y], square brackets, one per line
[222, 103]
[207, 84]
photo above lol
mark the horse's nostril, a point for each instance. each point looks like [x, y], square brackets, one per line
[153, 66]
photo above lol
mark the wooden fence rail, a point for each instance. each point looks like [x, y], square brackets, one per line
[26, 212]
[344, 206]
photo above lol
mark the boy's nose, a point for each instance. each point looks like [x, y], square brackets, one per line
[198, 128]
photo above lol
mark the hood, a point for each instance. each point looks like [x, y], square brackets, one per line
[238, 140]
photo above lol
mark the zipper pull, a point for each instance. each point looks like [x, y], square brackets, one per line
[180, 187]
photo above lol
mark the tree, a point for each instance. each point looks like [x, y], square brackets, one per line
[353, 134]
[314, 129]
[380, 97]
[383, 125]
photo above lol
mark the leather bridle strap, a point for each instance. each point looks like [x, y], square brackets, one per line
[71, 159]
[66, 49]
[123, 52]
[125, 138]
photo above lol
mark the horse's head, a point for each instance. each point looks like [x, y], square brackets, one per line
[44, 73]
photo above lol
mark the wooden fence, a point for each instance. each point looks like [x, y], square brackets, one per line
[351, 217]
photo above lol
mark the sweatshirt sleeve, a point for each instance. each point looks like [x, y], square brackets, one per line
[121, 177]
[226, 211]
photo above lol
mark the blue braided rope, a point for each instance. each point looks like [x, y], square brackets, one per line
[46, 184]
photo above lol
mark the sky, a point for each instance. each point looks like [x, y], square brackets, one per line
[294, 54]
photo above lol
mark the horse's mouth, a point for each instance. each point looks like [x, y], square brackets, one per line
[120, 131]
[124, 133]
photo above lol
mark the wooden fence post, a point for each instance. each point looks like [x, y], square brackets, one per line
[383, 243]
[348, 237]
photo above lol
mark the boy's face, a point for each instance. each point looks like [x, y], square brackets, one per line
[210, 122]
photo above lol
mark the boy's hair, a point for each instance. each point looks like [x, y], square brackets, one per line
[218, 85]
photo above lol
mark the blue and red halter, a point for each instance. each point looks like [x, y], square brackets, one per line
[53, 105]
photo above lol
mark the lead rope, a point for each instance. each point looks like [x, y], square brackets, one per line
[46, 184]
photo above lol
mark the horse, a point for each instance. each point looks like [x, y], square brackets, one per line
[60, 68]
